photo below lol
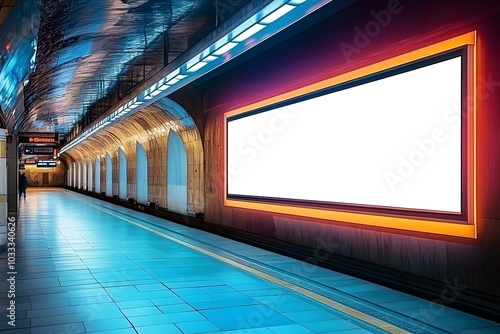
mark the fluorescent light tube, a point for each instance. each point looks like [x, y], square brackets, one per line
[196, 66]
[225, 48]
[249, 32]
[209, 58]
[163, 87]
[277, 14]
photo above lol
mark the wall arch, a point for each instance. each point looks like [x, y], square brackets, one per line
[122, 174]
[142, 174]
[75, 174]
[90, 174]
[70, 175]
[97, 178]
[83, 175]
[150, 127]
[109, 175]
[176, 174]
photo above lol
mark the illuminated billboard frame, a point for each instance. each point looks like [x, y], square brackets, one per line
[461, 225]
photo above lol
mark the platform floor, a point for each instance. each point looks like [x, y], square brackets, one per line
[87, 266]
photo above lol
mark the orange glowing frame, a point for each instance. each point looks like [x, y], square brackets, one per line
[466, 228]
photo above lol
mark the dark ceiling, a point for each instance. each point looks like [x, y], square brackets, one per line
[91, 53]
[6, 7]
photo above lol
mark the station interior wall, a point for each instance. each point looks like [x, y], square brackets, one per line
[364, 33]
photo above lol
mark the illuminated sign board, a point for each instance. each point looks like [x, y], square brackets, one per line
[364, 147]
[44, 163]
[39, 150]
[30, 161]
[353, 156]
[38, 137]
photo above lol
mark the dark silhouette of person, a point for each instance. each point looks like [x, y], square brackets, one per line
[23, 184]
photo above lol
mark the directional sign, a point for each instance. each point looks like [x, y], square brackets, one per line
[38, 137]
[44, 163]
[38, 150]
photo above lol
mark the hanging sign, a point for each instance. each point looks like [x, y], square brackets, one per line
[38, 137]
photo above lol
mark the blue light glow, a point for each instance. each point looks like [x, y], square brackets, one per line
[271, 19]
[17, 51]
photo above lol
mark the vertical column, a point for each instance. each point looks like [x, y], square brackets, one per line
[12, 176]
[3, 189]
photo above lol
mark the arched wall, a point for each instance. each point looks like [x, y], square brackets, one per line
[83, 176]
[97, 175]
[141, 174]
[149, 127]
[176, 174]
[122, 175]
[90, 176]
[69, 176]
[108, 168]
[76, 173]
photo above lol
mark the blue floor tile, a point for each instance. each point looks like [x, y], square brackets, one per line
[195, 327]
[287, 329]
[140, 311]
[134, 304]
[93, 272]
[116, 331]
[245, 317]
[73, 328]
[329, 326]
[157, 329]
[176, 308]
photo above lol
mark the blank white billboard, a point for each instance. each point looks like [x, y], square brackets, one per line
[394, 142]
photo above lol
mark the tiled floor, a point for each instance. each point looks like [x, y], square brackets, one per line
[86, 266]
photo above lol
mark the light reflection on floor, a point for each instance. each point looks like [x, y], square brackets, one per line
[87, 266]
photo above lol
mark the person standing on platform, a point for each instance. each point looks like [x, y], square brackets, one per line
[23, 184]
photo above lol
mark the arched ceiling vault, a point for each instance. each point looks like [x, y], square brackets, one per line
[92, 53]
[145, 126]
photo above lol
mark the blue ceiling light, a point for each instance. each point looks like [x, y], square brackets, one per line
[176, 79]
[136, 104]
[249, 32]
[156, 89]
[197, 66]
[209, 58]
[280, 12]
[196, 63]
[224, 48]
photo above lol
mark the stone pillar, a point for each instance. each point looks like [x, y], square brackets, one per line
[3, 189]
[12, 177]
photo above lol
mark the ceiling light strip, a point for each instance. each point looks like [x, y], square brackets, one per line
[266, 22]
